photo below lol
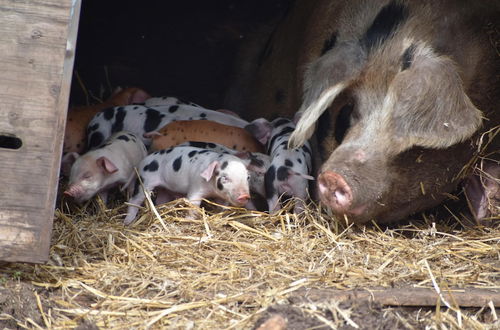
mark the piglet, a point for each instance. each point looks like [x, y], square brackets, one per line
[167, 100]
[192, 172]
[177, 132]
[101, 169]
[290, 169]
[79, 117]
[257, 164]
[140, 119]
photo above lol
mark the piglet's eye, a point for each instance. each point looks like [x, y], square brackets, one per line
[87, 175]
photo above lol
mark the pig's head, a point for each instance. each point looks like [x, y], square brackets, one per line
[229, 177]
[394, 121]
[88, 176]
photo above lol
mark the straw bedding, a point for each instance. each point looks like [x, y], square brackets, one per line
[224, 268]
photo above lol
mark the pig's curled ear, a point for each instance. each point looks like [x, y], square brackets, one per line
[428, 104]
[106, 164]
[209, 171]
[67, 162]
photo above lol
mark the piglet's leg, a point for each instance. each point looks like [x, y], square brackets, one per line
[273, 203]
[137, 199]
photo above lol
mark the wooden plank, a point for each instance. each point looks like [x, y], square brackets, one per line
[37, 43]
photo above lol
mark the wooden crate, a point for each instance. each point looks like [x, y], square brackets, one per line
[37, 45]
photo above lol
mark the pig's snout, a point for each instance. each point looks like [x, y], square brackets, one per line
[243, 199]
[334, 191]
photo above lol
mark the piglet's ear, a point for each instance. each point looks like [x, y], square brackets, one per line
[138, 96]
[67, 162]
[107, 165]
[261, 129]
[209, 171]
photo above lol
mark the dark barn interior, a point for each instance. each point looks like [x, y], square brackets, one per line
[181, 48]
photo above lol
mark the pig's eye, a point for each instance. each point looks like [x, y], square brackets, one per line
[343, 122]
[87, 175]
[223, 179]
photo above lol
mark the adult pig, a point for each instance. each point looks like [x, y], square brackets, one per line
[79, 117]
[398, 93]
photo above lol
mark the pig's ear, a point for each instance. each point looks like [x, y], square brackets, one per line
[67, 162]
[324, 80]
[428, 103]
[138, 96]
[209, 171]
[106, 164]
[151, 135]
[305, 176]
[482, 190]
[261, 129]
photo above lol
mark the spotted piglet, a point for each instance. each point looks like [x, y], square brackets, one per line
[140, 119]
[257, 164]
[192, 172]
[100, 169]
[289, 171]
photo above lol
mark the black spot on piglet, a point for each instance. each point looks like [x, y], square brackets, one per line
[282, 173]
[177, 164]
[269, 178]
[152, 167]
[124, 138]
[95, 140]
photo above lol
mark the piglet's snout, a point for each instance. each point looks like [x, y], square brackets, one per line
[243, 199]
[335, 192]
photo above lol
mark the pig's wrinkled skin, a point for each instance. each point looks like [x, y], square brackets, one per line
[192, 172]
[101, 169]
[182, 131]
[140, 119]
[288, 173]
[79, 117]
[397, 92]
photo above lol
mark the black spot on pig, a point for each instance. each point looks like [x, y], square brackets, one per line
[109, 113]
[197, 144]
[288, 163]
[384, 25]
[224, 165]
[123, 137]
[220, 186]
[95, 140]
[177, 164]
[204, 152]
[203, 115]
[279, 96]
[269, 178]
[282, 173]
[173, 108]
[255, 161]
[299, 160]
[407, 58]
[153, 120]
[281, 121]
[329, 43]
[211, 145]
[152, 167]
[92, 128]
[284, 131]
[192, 153]
[307, 150]
[119, 118]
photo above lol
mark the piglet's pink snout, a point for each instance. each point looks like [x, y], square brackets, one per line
[243, 199]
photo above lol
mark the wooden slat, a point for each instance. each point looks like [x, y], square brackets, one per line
[37, 43]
